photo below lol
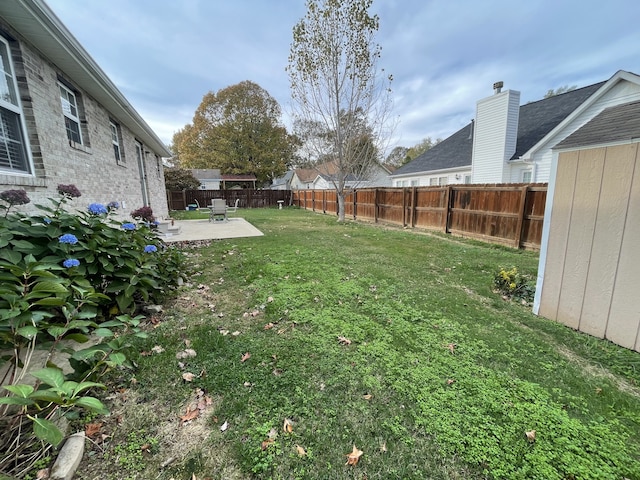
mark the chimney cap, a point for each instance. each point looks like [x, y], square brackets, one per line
[497, 87]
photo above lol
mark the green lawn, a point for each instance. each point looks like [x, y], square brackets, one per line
[389, 340]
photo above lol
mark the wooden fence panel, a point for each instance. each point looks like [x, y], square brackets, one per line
[179, 200]
[510, 214]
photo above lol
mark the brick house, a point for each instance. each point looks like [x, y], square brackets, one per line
[63, 121]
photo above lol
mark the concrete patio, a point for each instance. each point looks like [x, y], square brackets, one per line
[216, 230]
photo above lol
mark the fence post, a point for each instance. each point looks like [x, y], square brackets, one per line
[521, 213]
[324, 201]
[414, 206]
[375, 205]
[355, 203]
[447, 209]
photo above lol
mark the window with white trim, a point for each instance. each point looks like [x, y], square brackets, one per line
[526, 176]
[13, 150]
[467, 179]
[115, 140]
[69, 103]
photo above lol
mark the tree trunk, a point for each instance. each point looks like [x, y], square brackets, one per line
[340, 196]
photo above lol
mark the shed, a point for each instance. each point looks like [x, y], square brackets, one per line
[589, 268]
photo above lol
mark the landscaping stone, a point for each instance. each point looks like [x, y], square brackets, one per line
[68, 458]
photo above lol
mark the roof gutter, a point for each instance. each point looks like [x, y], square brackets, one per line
[56, 43]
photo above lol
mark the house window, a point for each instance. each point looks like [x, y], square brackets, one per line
[71, 115]
[526, 176]
[467, 179]
[13, 151]
[443, 180]
[414, 183]
[115, 140]
[433, 181]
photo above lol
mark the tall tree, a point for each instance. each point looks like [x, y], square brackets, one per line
[397, 156]
[421, 147]
[238, 130]
[339, 93]
[180, 179]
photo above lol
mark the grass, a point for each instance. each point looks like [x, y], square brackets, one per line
[376, 337]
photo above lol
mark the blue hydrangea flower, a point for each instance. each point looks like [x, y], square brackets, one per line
[70, 262]
[129, 226]
[69, 238]
[113, 205]
[97, 209]
[150, 249]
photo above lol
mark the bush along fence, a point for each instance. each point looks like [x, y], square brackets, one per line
[65, 278]
[508, 214]
[180, 200]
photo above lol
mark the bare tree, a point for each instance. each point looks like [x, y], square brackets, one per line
[340, 95]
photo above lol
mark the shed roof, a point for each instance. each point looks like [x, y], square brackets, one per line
[614, 124]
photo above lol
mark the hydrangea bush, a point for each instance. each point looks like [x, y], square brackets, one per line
[64, 276]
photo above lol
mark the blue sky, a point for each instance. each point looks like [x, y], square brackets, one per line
[165, 55]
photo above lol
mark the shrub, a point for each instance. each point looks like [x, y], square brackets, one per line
[514, 285]
[65, 276]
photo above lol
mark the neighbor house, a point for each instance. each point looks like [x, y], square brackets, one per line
[322, 177]
[512, 143]
[210, 178]
[65, 122]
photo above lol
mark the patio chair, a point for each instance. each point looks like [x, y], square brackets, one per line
[201, 209]
[218, 208]
[233, 209]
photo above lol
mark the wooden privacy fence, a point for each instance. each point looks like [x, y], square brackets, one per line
[510, 214]
[179, 200]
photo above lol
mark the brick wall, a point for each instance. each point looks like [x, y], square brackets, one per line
[92, 167]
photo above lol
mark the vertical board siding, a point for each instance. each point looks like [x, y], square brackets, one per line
[624, 313]
[509, 214]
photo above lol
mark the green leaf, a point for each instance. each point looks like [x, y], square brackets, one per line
[50, 376]
[47, 431]
[15, 401]
[50, 287]
[28, 331]
[51, 301]
[47, 395]
[117, 358]
[92, 404]
[85, 385]
[77, 337]
[19, 390]
[57, 331]
[103, 332]
[11, 255]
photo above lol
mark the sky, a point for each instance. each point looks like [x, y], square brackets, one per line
[444, 55]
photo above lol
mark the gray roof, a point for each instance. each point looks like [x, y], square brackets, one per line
[613, 124]
[286, 178]
[536, 120]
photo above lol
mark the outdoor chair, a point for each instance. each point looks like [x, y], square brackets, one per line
[218, 208]
[233, 209]
[201, 209]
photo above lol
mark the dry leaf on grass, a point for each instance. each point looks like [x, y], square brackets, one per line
[224, 426]
[287, 426]
[344, 341]
[301, 451]
[92, 429]
[368, 396]
[187, 353]
[531, 435]
[188, 376]
[190, 415]
[265, 443]
[354, 456]
[269, 326]
[245, 357]
[451, 347]
[157, 349]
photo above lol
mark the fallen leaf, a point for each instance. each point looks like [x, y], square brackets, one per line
[42, 474]
[344, 341]
[92, 429]
[265, 443]
[383, 447]
[157, 349]
[188, 376]
[247, 384]
[269, 326]
[187, 353]
[367, 396]
[245, 357]
[273, 434]
[354, 456]
[224, 332]
[190, 415]
[451, 347]
[255, 313]
[187, 343]
[287, 426]
[301, 451]
[224, 426]
[450, 381]
[269, 299]
[531, 435]
[236, 333]
[146, 447]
